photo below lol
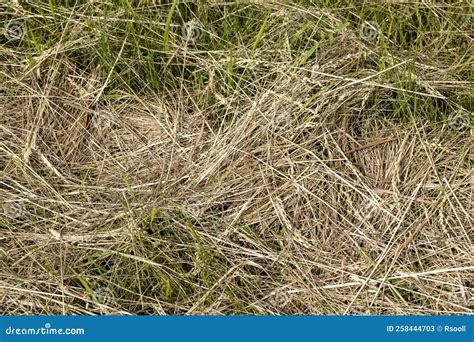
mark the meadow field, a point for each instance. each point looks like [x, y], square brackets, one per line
[236, 157]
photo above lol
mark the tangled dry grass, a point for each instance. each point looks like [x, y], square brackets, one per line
[323, 186]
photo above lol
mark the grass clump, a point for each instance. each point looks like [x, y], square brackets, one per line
[250, 157]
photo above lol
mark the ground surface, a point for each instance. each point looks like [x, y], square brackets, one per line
[236, 157]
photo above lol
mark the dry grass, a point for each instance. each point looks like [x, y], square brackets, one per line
[255, 198]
